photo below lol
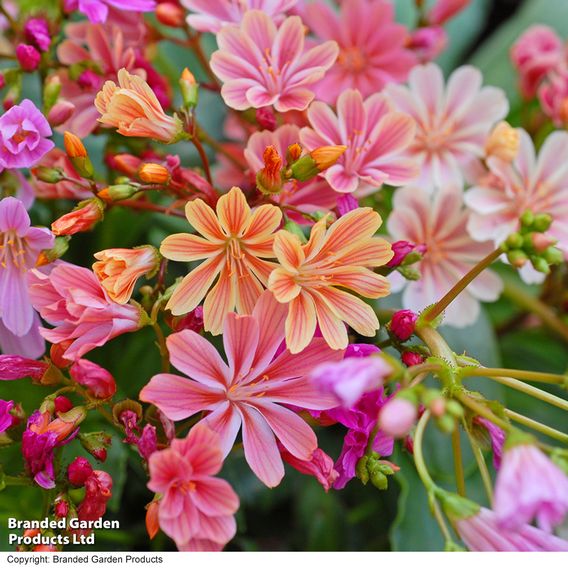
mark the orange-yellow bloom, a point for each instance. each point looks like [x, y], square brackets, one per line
[310, 277]
[118, 270]
[134, 110]
[234, 244]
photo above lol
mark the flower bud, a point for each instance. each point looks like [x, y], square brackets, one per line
[98, 381]
[48, 175]
[125, 163]
[517, 258]
[411, 358]
[61, 507]
[83, 218]
[28, 57]
[61, 112]
[78, 154]
[189, 89]
[154, 173]
[60, 247]
[293, 153]
[152, 522]
[96, 443]
[62, 404]
[540, 264]
[427, 42]
[527, 218]
[269, 179]
[193, 321]
[542, 222]
[266, 119]
[117, 192]
[56, 352]
[403, 323]
[540, 242]
[317, 161]
[554, 255]
[514, 241]
[170, 14]
[397, 417]
[13, 367]
[78, 471]
[148, 441]
[503, 142]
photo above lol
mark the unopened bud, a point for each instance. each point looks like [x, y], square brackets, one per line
[189, 89]
[62, 404]
[61, 112]
[514, 241]
[293, 153]
[402, 324]
[397, 417]
[61, 507]
[48, 175]
[542, 222]
[78, 154]
[117, 192]
[96, 443]
[540, 264]
[79, 471]
[266, 119]
[170, 14]
[554, 255]
[83, 218]
[517, 258]
[411, 358]
[269, 179]
[97, 380]
[28, 57]
[527, 218]
[152, 521]
[539, 242]
[503, 142]
[154, 173]
[60, 247]
[317, 161]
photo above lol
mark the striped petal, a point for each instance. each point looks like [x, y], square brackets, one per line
[233, 212]
[240, 339]
[300, 323]
[184, 247]
[263, 222]
[283, 285]
[332, 327]
[219, 302]
[288, 250]
[202, 218]
[361, 280]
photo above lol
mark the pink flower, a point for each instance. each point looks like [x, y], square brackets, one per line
[79, 471]
[13, 367]
[538, 183]
[20, 246]
[372, 46]
[444, 10]
[537, 52]
[98, 10]
[250, 390]
[453, 121]
[481, 533]
[497, 436]
[98, 491]
[428, 43]
[440, 222]
[196, 509]
[28, 57]
[320, 466]
[71, 299]
[212, 16]
[147, 442]
[23, 136]
[376, 139]
[36, 31]
[401, 250]
[262, 65]
[349, 379]
[553, 96]
[6, 419]
[403, 323]
[397, 417]
[97, 380]
[315, 195]
[529, 486]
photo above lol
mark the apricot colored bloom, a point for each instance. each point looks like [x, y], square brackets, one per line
[262, 65]
[212, 16]
[538, 183]
[377, 140]
[250, 390]
[72, 300]
[134, 110]
[196, 509]
[453, 121]
[119, 269]
[440, 222]
[372, 46]
[310, 276]
[234, 244]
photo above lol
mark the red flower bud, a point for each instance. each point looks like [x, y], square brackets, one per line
[403, 323]
[98, 381]
[62, 404]
[78, 471]
[28, 57]
[411, 358]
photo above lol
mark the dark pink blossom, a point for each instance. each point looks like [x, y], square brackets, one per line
[6, 419]
[98, 381]
[28, 57]
[403, 323]
[36, 32]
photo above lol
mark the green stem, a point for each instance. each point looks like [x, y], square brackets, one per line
[437, 344]
[482, 410]
[537, 426]
[421, 468]
[534, 305]
[481, 465]
[471, 371]
[12, 480]
[458, 460]
[437, 309]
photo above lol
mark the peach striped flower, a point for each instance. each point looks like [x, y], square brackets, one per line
[310, 277]
[233, 245]
[134, 110]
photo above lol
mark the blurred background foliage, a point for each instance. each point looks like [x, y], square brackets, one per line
[299, 515]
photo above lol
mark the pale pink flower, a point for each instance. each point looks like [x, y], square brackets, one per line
[397, 417]
[553, 96]
[250, 390]
[529, 486]
[372, 46]
[530, 182]
[262, 65]
[377, 140]
[212, 16]
[196, 509]
[538, 51]
[453, 121]
[72, 300]
[427, 43]
[481, 533]
[440, 222]
[315, 195]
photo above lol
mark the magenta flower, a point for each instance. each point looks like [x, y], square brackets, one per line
[481, 533]
[497, 437]
[320, 466]
[196, 509]
[440, 222]
[36, 32]
[376, 139]
[79, 471]
[14, 367]
[250, 390]
[401, 250]
[23, 136]
[262, 65]
[372, 46]
[20, 246]
[529, 486]
[403, 323]
[6, 419]
[98, 491]
[71, 299]
[453, 121]
[538, 183]
[28, 57]
[212, 16]
[98, 10]
[349, 379]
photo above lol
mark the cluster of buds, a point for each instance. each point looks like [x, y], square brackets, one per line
[445, 411]
[371, 468]
[530, 243]
[275, 174]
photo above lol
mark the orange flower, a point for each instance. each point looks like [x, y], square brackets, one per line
[310, 277]
[235, 243]
[118, 270]
[83, 218]
[133, 109]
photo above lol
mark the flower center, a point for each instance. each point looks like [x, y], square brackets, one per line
[12, 251]
[353, 58]
[432, 139]
[187, 486]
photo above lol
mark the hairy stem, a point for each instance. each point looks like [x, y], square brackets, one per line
[458, 460]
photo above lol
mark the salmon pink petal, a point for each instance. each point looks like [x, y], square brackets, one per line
[283, 285]
[288, 250]
[351, 116]
[164, 467]
[300, 323]
[180, 527]
[240, 339]
[263, 222]
[179, 398]
[294, 99]
[184, 247]
[261, 450]
[361, 280]
[324, 122]
[356, 313]
[217, 529]
[226, 421]
[220, 301]
[332, 327]
[202, 218]
[197, 358]
[215, 497]
[261, 30]
[299, 392]
[289, 42]
[235, 92]
[357, 225]
[394, 132]
[201, 448]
